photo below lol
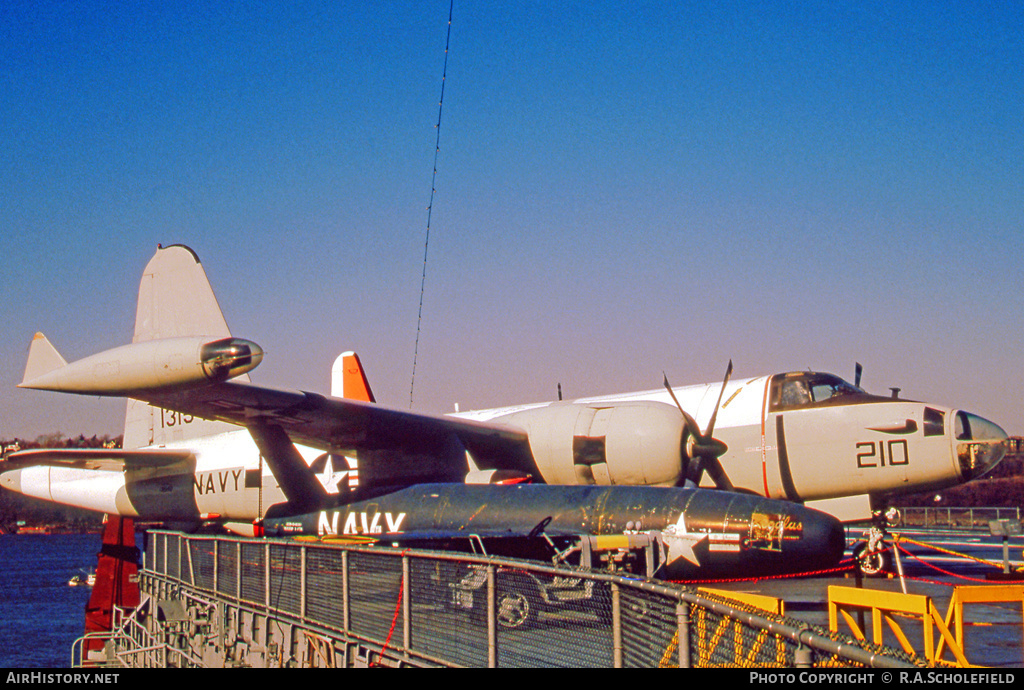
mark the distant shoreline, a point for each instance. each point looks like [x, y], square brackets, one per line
[47, 531]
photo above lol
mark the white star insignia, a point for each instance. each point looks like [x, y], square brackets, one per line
[329, 478]
[680, 542]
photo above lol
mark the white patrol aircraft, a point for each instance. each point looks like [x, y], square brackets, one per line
[804, 436]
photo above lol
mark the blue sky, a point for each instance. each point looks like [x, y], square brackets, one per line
[623, 189]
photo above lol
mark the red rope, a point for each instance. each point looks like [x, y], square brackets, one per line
[810, 573]
[935, 567]
[398, 609]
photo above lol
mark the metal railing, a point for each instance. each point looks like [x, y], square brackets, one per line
[261, 602]
[959, 517]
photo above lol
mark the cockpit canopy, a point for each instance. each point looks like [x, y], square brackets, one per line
[812, 389]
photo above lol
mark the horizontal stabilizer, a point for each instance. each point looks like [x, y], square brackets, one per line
[42, 358]
[109, 459]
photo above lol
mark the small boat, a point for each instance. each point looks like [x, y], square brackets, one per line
[88, 579]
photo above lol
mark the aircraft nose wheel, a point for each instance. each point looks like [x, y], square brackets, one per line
[872, 563]
[873, 556]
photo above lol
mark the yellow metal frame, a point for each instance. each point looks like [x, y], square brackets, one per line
[708, 640]
[979, 594]
[758, 601]
[886, 606]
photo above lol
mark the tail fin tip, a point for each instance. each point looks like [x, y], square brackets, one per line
[348, 380]
[42, 359]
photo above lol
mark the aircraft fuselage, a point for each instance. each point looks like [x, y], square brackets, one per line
[802, 436]
[799, 437]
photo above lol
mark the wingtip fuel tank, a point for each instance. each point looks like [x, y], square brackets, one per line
[152, 365]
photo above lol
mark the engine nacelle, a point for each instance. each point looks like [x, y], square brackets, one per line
[147, 366]
[620, 443]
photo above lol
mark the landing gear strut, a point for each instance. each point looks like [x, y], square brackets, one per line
[874, 555]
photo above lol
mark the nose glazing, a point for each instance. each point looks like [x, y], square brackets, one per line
[980, 444]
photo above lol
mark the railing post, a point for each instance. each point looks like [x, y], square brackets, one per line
[492, 620]
[302, 581]
[191, 564]
[344, 592]
[616, 625]
[149, 555]
[683, 632]
[406, 604]
[266, 574]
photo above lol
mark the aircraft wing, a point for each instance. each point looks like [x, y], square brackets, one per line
[426, 445]
[108, 459]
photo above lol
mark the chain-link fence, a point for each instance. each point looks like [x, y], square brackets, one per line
[306, 603]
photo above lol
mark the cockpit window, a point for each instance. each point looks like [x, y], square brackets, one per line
[801, 389]
[934, 422]
[794, 393]
[963, 427]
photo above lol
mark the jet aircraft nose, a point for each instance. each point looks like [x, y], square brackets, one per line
[979, 444]
[824, 542]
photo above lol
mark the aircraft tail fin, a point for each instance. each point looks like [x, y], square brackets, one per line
[175, 299]
[42, 358]
[348, 380]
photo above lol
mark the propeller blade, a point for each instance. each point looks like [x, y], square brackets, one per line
[691, 423]
[718, 475]
[714, 414]
[858, 370]
[702, 449]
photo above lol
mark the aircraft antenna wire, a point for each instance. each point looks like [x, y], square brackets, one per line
[430, 206]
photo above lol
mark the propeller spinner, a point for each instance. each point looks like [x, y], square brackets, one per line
[702, 450]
